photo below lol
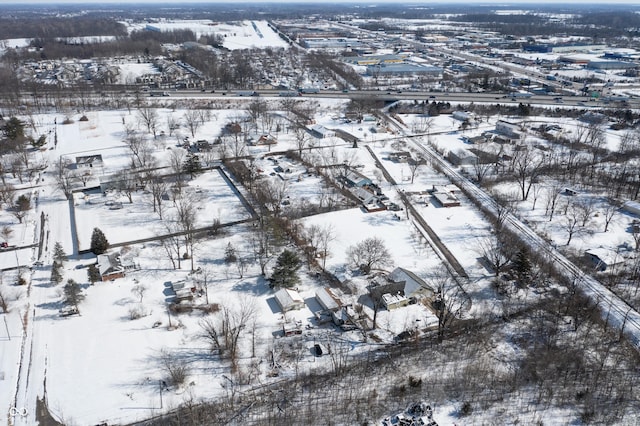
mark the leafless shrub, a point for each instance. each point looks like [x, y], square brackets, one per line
[176, 370]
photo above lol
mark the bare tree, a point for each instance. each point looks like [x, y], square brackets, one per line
[192, 120]
[609, 211]
[64, 177]
[324, 235]
[186, 207]
[527, 167]
[585, 209]
[450, 300]
[223, 332]
[172, 242]
[496, 250]
[370, 253]
[571, 221]
[302, 139]
[139, 290]
[173, 124]
[271, 193]
[176, 160]
[552, 196]
[141, 150]
[261, 243]
[149, 118]
[7, 193]
[125, 182]
[414, 164]
[158, 188]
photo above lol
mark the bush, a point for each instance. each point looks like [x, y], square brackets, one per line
[466, 409]
[136, 312]
[176, 369]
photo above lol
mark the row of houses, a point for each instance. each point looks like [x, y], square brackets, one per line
[392, 291]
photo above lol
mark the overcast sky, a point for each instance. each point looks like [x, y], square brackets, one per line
[436, 2]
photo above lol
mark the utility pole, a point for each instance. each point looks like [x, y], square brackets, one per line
[160, 383]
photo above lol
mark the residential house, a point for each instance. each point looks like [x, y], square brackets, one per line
[112, 266]
[414, 286]
[88, 161]
[266, 140]
[462, 157]
[321, 132]
[354, 178]
[289, 300]
[603, 259]
[508, 129]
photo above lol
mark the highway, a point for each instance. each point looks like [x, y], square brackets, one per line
[399, 95]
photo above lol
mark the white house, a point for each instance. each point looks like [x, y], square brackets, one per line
[603, 259]
[289, 300]
[632, 207]
[506, 128]
[414, 286]
[461, 157]
[322, 132]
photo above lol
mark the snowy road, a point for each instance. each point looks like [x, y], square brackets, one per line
[42, 299]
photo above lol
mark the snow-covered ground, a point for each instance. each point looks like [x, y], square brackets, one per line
[105, 366]
[236, 35]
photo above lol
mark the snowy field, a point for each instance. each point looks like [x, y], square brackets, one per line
[105, 366]
[237, 35]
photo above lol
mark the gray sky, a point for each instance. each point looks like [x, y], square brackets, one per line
[438, 2]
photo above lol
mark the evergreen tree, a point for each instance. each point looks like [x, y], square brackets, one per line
[22, 207]
[56, 275]
[522, 267]
[13, 129]
[59, 256]
[285, 273]
[93, 274]
[192, 165]
[72, 293]
[230, 255]
[99, 242]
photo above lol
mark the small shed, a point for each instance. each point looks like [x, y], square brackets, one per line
[289, 300]
[394, 301]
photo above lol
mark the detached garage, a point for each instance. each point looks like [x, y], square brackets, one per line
[289, 300]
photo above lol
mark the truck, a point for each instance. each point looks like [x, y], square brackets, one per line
[308, 90]
[158, 93]
[247, 93]
[515, 95]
